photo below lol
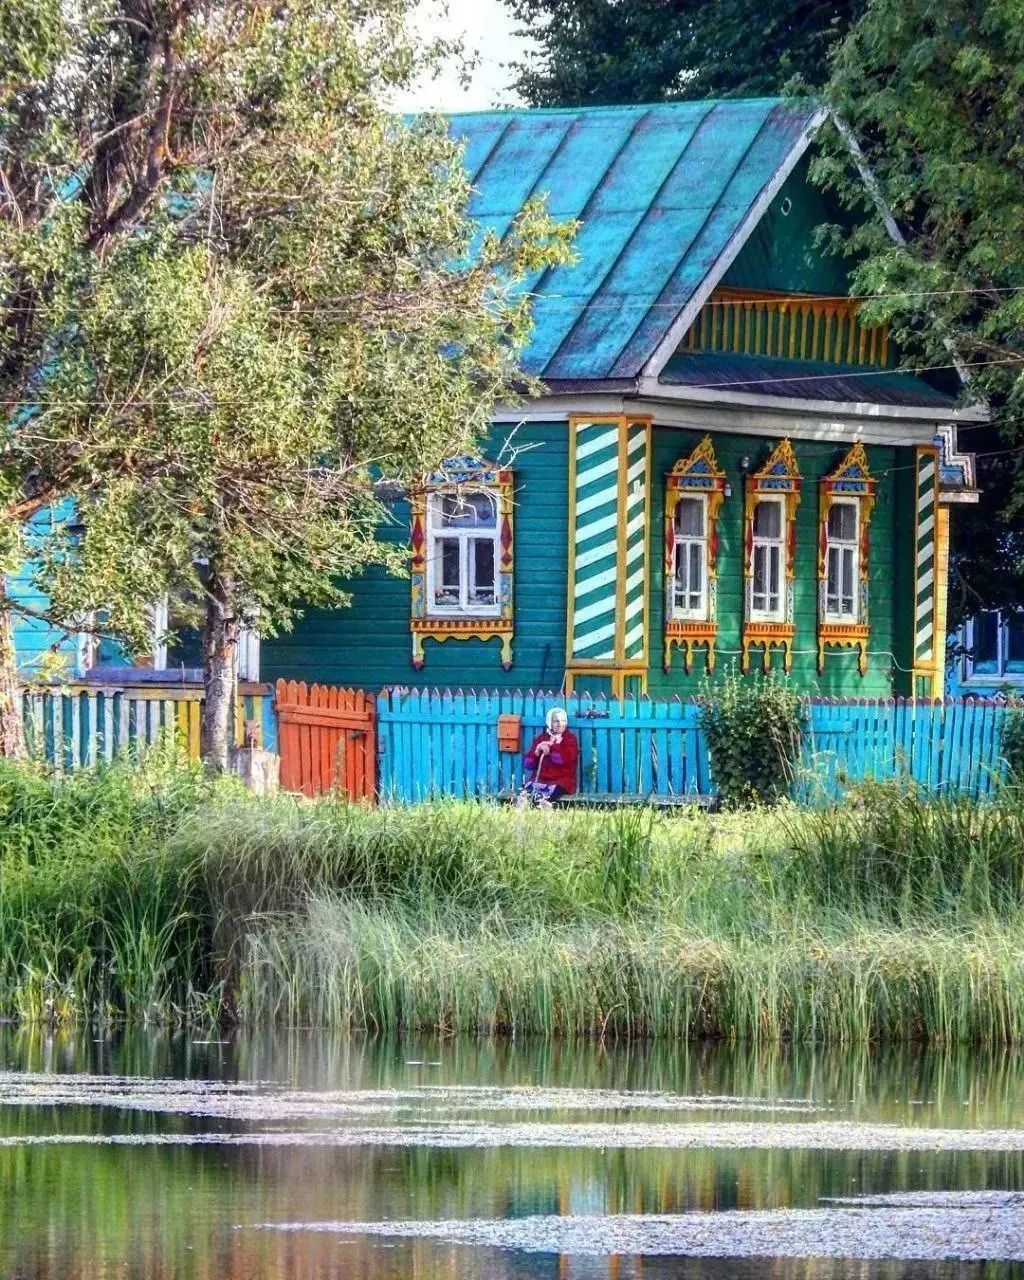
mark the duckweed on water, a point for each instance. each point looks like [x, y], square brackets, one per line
[154, 895]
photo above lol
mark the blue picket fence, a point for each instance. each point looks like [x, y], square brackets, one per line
[433, 743]
[446, 744]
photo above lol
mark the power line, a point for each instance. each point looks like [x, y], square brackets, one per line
[624, 301]
[181, 402]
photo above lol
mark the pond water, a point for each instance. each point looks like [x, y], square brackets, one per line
[314, 1156]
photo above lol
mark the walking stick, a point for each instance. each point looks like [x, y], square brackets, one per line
[536, 776]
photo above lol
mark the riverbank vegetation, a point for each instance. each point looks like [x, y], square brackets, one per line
[157, 895]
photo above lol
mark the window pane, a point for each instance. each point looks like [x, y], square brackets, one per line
[1014, 623]
[842, 521]
[832, 579]
[690, 518]
[468, 510]
[446, 589]
[767, 520]
[482, 587]
[847, 580]
[773, 576]
[986, 642]
[760, 576]
[696, 574]
[682, 565]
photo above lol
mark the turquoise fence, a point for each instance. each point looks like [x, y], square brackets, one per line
[446, 744]
[434, 743]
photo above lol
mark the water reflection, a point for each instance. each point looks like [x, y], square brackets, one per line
[135, 1211]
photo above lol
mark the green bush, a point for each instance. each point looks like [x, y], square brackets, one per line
[753, 726]
[1013, 743]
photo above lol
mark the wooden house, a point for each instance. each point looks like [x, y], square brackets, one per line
[725, 465]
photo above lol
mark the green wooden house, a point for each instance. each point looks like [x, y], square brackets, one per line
[725, 467]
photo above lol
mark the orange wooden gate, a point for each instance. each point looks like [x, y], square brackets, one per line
[328, 740]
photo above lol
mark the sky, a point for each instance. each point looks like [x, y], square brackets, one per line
[487, 30]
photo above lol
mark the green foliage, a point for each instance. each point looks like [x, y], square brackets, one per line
[904, 856]
[934, 97]
[155, 895]
[239, 296]
[1012, 744]
[753, 727]
[602, 51]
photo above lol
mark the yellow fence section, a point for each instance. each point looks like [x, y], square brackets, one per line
[795, 326]
[79, 724]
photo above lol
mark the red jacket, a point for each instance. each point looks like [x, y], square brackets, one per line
[560, 764]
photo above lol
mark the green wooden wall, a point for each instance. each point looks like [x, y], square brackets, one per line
[782, 251]
[368, 644]
[889, 644]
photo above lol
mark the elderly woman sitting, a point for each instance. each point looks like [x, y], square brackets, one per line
[552, 759]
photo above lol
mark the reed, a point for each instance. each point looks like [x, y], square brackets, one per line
[151, 894]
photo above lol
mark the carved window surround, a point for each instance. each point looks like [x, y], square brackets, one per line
[697, 474]
[467, 475]
[778, 478]
[850, 481]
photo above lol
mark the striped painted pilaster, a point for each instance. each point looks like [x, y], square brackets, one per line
[609, 483]
[595, 542]
[635, 586]
[926, 639]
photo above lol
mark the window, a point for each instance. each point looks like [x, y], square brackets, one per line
[994, 645]
[462, 553]
[846, 500]
[461, 564]
[695, 489]
[690, 587]
[768, 560]
[842, 562]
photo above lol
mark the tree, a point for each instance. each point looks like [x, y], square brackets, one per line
[259, 308]
[604, 51]
[933, 98]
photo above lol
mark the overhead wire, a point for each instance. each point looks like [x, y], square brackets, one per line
[179, 402]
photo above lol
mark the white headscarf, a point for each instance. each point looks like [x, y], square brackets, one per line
[555, 711]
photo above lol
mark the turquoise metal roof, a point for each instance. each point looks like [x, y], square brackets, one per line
[659, 192]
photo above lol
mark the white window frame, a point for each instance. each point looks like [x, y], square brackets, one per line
[436, 531]
[839, 545]
[778, 614]
[681, 613]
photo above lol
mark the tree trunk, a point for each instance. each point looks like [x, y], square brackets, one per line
[220, 666]
[12, 727]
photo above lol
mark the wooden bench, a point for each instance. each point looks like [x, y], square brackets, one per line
[611, 800]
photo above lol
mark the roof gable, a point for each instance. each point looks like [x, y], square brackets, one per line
[665, 194]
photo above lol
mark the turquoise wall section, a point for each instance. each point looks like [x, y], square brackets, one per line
[368, 644]
[34, 641]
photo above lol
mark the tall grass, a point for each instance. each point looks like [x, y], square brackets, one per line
[153, 895]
